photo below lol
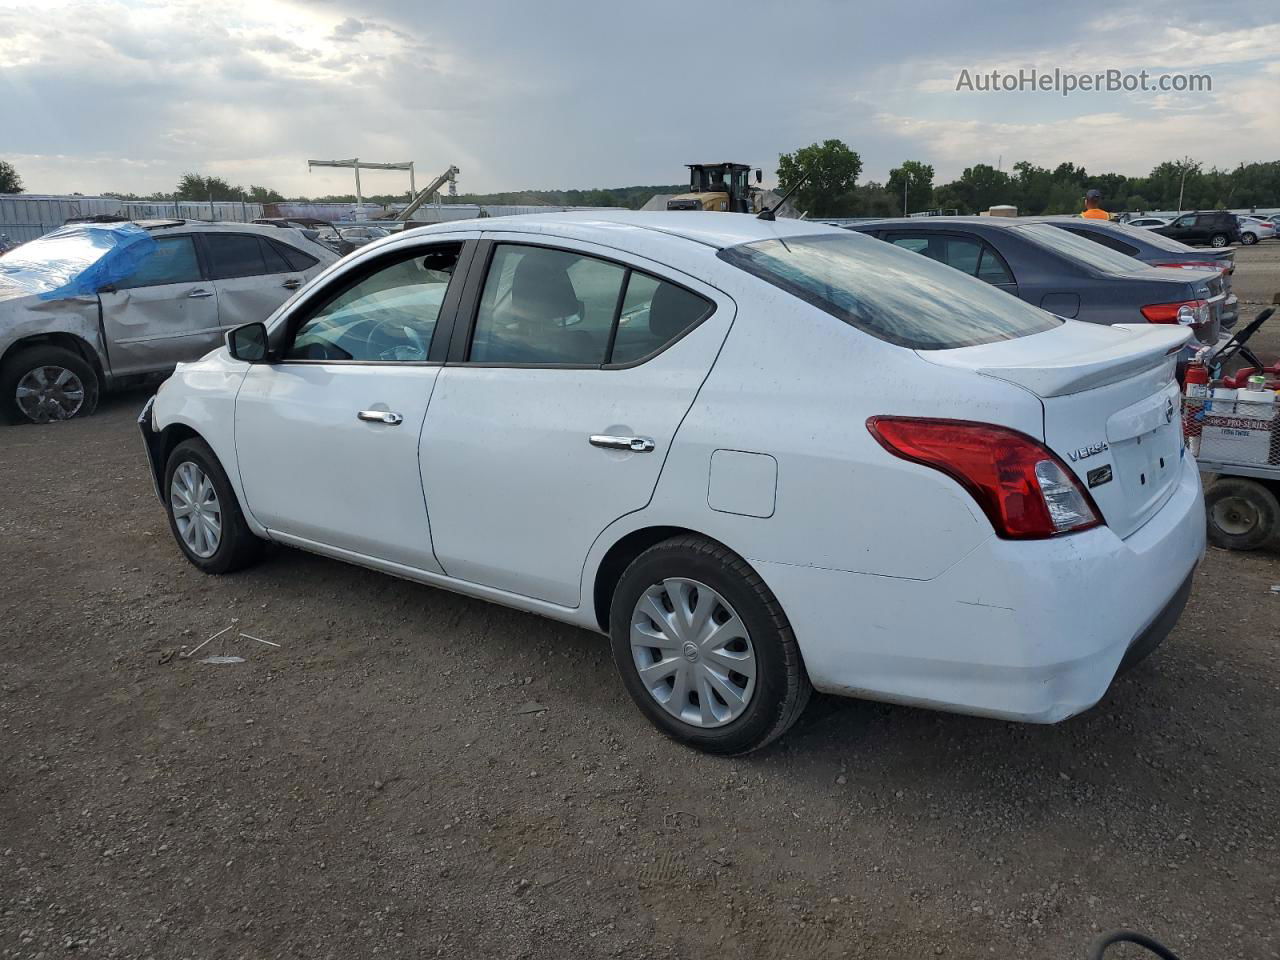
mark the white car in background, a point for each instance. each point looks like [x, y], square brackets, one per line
[763, 457]
[1147, 223]
[91, 307]
[1253, 229]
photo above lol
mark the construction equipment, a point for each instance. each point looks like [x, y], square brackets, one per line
[720, 186]
[450, 176]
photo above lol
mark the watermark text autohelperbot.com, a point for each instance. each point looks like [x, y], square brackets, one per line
[1033, 80]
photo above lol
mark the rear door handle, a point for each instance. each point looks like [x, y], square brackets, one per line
[293, 283]
[199, 294]
[634, 444]
[380, 416]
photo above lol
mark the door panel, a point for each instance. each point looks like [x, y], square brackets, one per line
[517, 490]
[327, 436]
[152, 328]
[311, 468]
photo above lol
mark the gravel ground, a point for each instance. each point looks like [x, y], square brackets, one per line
[411, 773]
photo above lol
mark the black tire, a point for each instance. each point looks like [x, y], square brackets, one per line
[1242, 513]
[781, 689]
[237, 546]
[1248, 239]
[1219, 240]
[28, 359]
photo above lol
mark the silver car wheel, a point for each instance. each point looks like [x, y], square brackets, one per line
[49, 393]
[196, 511]
[693, 653]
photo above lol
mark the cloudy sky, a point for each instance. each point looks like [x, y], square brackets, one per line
[128, 94]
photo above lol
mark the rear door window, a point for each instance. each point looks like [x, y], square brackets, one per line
[234, 255]
[889, 292]
[296, 259]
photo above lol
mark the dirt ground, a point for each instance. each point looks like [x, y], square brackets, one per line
[414, 774]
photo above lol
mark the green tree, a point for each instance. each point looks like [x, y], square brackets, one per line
[833, 173]
[979, 187]
[193, 186]
[10, 182]
[912, 183]
[264, 195]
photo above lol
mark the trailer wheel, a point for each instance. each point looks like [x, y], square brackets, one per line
[1243, 514]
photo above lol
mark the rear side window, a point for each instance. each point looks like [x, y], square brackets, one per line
[173, 261]
[234, 255]
[654, 313]
[888, 292]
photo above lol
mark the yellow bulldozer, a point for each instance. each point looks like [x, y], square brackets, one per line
[720, 186]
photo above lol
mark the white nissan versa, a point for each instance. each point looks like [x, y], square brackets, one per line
[761, 456]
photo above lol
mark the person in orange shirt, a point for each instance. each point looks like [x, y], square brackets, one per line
[1093, 206]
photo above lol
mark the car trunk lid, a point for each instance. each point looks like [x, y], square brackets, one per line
[1111, 407]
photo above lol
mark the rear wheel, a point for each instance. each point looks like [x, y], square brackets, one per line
[1248, 239]
[43, 384]
[1243, 514]
[1219, 240]
[704, 647]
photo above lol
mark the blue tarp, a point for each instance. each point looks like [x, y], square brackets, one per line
[78, 259]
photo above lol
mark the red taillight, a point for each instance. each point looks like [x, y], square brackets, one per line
[1189, 313]
[1026, 492]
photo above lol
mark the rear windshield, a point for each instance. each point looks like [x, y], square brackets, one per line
[889, 292]
[1091, 253]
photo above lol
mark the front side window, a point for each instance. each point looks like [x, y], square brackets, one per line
[388, 316]
[890, 293]
[173, 261]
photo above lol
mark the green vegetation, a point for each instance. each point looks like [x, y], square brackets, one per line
[10, 182]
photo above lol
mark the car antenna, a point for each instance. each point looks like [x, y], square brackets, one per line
[770, 212]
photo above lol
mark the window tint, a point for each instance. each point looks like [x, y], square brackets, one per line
[1185, 221]
[915, 245]
[889, 293]
[654, 313]
[234, 255]
[173, 261]
[273, 258]
[388, 316]
[966, 254]
[546, 306]
[1106, 239]
[296, 259]
[992, 268]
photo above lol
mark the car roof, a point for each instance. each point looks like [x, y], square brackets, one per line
[611, 227]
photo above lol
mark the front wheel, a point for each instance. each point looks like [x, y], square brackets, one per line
[1248, 239]
[704, 647]
[41, 384]
[1219, 240]
[204, 515]
[1243, 514]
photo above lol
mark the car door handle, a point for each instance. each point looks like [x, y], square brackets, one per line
[293, 283]
[380, 416]
[634, 444]
[199, 294]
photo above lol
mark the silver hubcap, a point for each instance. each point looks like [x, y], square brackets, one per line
[693, 653]
[196, 510]
[1235, 516]
[49, 393]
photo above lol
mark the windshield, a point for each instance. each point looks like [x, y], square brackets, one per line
[77, 260]
[890, 293]
[1100, 258]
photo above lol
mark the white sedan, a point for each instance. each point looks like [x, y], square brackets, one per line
[763, 457]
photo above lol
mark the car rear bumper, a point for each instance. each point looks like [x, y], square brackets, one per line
[1032, 631]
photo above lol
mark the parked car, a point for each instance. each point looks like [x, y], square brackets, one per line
[1063, 273]
[1253, 229]
[763, 457]
[1159, 251]
[1147, 223]
[314, 229]
[71, 328]
[1217, 228]
[359, 236]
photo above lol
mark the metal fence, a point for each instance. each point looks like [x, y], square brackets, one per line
[25, 216]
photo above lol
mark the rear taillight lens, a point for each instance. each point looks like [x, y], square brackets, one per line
[1189, 313]
[1026, 492]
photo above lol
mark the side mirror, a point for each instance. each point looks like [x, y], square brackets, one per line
[248, 343]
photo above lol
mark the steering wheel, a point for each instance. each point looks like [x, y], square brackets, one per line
[395, 340]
